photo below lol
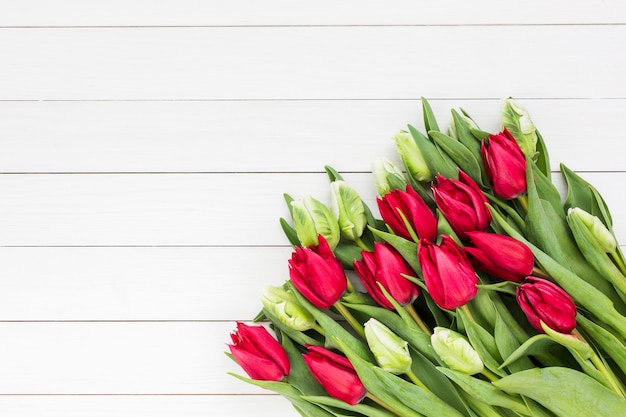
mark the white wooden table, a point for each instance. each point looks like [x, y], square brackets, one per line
[145, 147]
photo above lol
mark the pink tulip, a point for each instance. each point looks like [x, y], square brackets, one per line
[462, 203]
[385, 266]
[317, 274]
[499, 255]
[448, 274]
[543, 301]
[505, 165]
[335, 373]
[413, 207]
[258, 353]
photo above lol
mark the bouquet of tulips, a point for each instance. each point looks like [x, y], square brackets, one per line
[478, 290]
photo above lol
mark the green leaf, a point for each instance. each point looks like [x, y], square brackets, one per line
[581, 193]
[333, 329]
[485, 391]
[297, 336]
[406, 248]
[465, 136]
[565, 392]
[364, 409]
[478, 134]
[381, 383]
[429, 117]
[536, 344]
[462, 156]
[436, 161]
[299, 374]
[582, 292]
[543, 159]
[605, 339]
[403, 326]
[333, 175]
[507, 344]
[484, 344]
[290, 232]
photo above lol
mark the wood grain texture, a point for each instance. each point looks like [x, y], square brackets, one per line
[119, 358]
[181, 209]
[273, 136]
[313, 62]
[324, 12]
[146, 406]
[145, 148]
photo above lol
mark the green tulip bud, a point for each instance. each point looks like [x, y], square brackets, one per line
[455, 351]
[597, 230]
[390, 351]
[517, 120]
[285, 307]
[388, 176]
[312, 218]
[348, 207]
[412, 157]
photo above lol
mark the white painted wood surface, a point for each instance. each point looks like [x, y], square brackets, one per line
[145, 148]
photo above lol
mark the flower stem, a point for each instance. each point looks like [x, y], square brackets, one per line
[319, 329]
[383, 404]
[600, 366]
[350, 318]
[538, 272]
[362, 244]
[490, 375]
[416, 380]
[618, 260]
[411, 310]
[523, 199]
[465, 309]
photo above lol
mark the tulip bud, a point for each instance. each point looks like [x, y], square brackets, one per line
[448, 274]
[258, 353]
[391, 352]
[543, 301]
[312, 218]
[348, 207]
[317, 274]
[462, 203]
[412, 157]
[399, 205]
[517, 120]
[603, 238]
[385, 266]
[501, 256]
[387, 176]
[335, 374]
[505, 165]
[455, 351]
[285, 307]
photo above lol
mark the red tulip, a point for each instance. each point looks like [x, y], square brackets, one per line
[500, 255]
[505, 165]
[385, 266]
[317, 274]
[462, 203]
[335, 373]
[448, 274]
[258, 353]
[413, 207]
[543, 301]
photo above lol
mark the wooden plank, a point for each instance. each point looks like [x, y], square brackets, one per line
[248, 136]
[313, 62]
[119, 358]
[146, 406]
[138, 283]
[181, 209]
[324, 12]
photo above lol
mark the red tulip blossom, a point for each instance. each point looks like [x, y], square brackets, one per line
[462, 203]
[419, 216]
[448, 274]
[317, 274]
[335, 374]
[501, 256]
[544, 301]
[385, 266]
[505, 165]
[258, 353]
